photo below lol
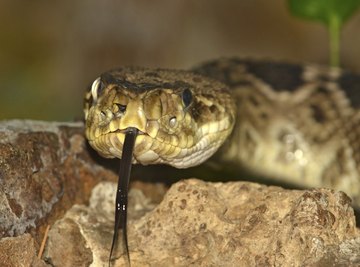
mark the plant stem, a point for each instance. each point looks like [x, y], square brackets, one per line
[334, 32]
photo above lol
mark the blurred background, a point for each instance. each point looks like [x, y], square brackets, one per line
[50, 51]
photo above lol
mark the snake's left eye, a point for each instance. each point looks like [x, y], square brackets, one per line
[97, 88]
[186, 97]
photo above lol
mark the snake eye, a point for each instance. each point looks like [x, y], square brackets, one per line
[186, 97]
[97, 88]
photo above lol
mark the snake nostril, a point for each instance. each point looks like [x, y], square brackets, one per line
[121, 108]
[103, 115]
[172, 121]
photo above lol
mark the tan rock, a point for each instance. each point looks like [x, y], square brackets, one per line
[218, 224]
[46, 168]
[19, 251]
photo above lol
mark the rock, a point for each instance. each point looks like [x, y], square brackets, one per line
[19, 251]
[45, 168]
[84, 234]
[213, 224]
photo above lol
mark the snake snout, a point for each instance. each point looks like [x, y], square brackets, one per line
[134, 117]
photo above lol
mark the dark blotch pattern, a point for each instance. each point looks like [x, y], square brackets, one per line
[351, 84]
[281, 76]
[318, 114]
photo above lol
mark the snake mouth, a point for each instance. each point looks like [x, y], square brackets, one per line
[130, 130]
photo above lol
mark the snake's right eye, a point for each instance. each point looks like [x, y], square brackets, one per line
[187, 97]
[97, 88]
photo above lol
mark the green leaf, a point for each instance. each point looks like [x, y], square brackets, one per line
[333, 13]
[324, 10]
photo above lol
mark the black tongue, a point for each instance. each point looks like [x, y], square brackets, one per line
[122, 192]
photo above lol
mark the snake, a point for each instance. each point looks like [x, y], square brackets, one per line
[293, 123]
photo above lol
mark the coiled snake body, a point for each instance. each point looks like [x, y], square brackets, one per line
[296, 123]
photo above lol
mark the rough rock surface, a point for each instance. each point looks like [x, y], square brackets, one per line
[45, 168]
[19, 251]
[213, 224]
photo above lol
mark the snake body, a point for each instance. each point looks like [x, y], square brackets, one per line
[295, 123]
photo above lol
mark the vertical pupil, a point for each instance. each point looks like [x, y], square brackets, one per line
[187, 97]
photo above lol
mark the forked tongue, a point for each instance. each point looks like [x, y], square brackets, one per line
[122, 193]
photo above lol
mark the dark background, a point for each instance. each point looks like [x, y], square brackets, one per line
[51, 51]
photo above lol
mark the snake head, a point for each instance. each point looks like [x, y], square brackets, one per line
[182, 118]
